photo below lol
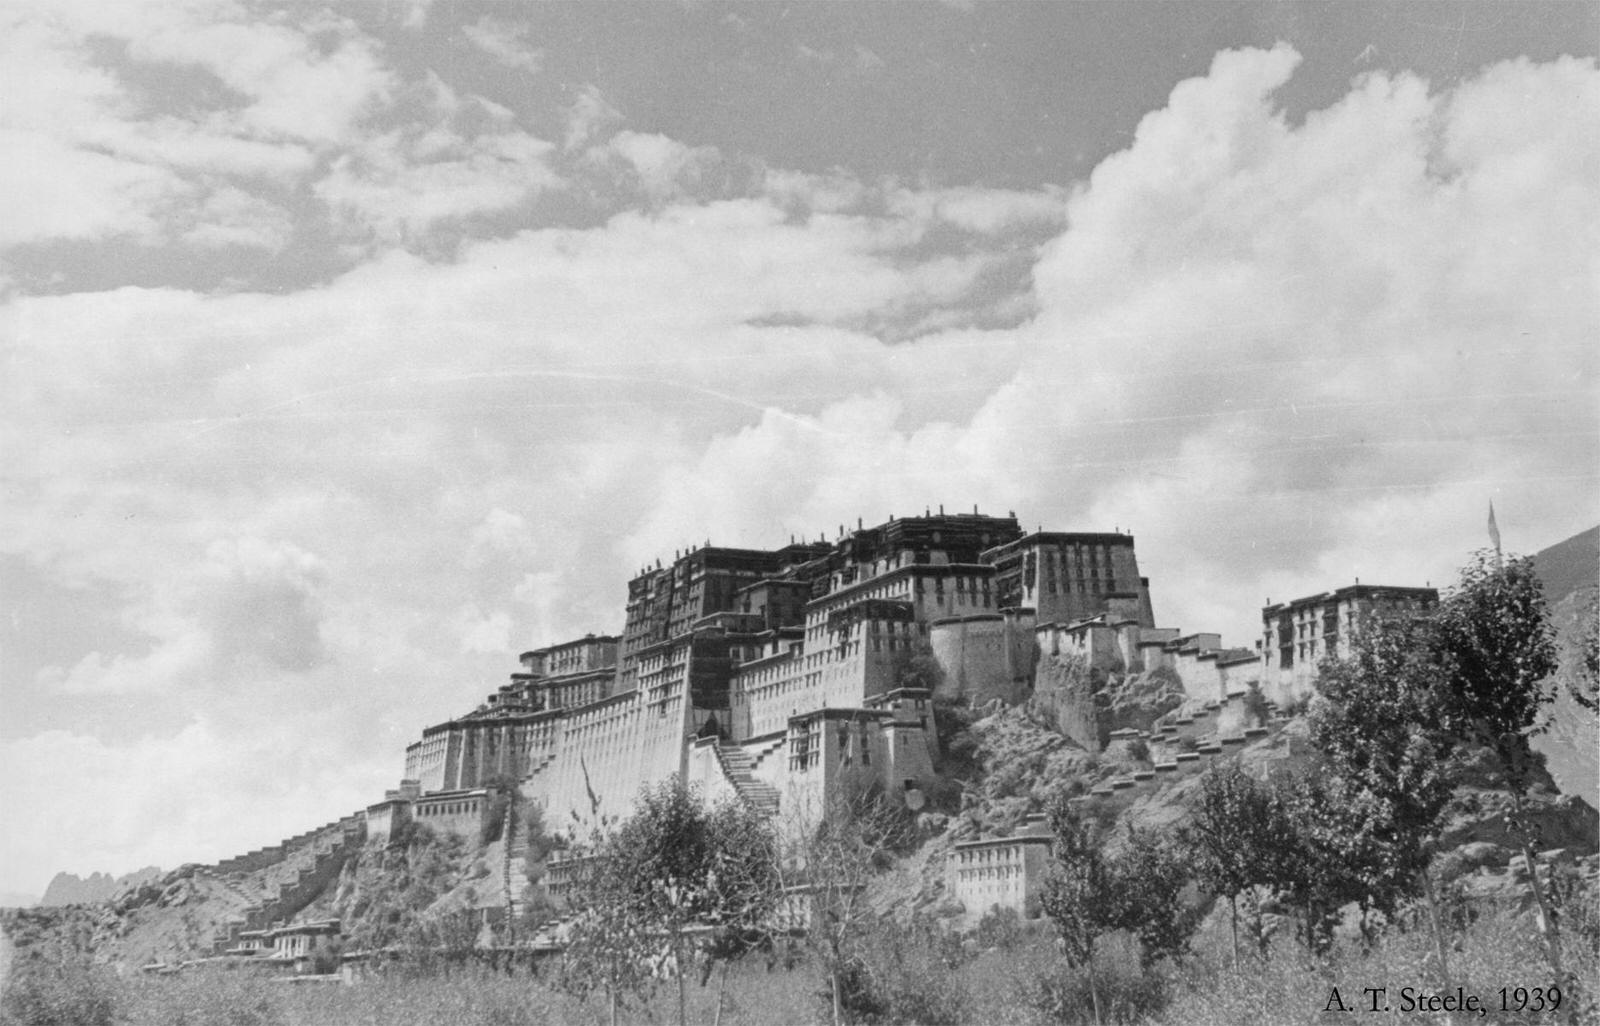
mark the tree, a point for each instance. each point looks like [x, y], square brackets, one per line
[1494, 643]
[1079, 891]
[1236, 833]
[1380, 723]
[837, 850]
[1149, 874]
[1327, 857]
[674, 864]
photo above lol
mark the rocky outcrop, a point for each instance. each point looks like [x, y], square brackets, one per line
[1086, 704]
[70, 889]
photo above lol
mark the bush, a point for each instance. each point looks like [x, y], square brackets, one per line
[1000, 928]
[1058, 992]
[903, 973]
[70, 992]
[1255, 706]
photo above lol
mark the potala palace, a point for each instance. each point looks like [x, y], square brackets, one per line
[781, 676]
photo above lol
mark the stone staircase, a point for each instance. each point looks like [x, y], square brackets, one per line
[515, 867]
[296, 881]
[767, 748]
[1182, 744]
[738, 767]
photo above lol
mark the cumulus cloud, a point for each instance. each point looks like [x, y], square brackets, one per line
[251, 606]
[506, 43]
[398, 186]
[1297, 331]
[1283, 354]
[587, 117]
[93, 152]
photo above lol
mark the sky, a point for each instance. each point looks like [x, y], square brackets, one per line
[352, 349]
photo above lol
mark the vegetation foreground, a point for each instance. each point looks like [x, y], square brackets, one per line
[1019, 979]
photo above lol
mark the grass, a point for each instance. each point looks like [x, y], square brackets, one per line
[1497, 951]
[469, 997]
[1006, 986]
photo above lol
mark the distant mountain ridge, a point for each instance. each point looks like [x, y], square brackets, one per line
[71, 889]
[1568, 567]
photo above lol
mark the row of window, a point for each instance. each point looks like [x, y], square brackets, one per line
[448, 808]
[989, 873]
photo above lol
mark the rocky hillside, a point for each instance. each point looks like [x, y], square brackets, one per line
[1570, 572]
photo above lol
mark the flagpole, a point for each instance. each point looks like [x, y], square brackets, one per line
[1494, 536]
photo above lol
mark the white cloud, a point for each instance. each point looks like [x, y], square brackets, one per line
[54, 191]
[1279, 353]
[506, 43]
[399, 187]
[233, 217]
[252, 606]
[589, 116]
[89, 157]
[485, 632]
[663, 168]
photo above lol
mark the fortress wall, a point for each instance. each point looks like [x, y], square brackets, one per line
[1099, 647]
[909, 752]
[613, 747]
[425, 762]
[459, 813]
[538, 740]
[1238, 675]
[1023, 651]
[977, 657]
[385, 818]
[1197, 672]
[765, 694]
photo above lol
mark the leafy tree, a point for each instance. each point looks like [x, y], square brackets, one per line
[840, 848]
[1149, 874]
[1236, 834]
[1079, 891]
[1494, 642]
[1137, 887]
[1327, 859]
[1381, 726]
[675, 863]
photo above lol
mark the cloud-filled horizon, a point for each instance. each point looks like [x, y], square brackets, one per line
[350, 353]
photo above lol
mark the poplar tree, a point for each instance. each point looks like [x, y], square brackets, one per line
[1381, 724]
[1078, 892]
[1494, 642]
[1237, 833]
[673, 865]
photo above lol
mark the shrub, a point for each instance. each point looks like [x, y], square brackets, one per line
[903, 973]
[1127, 993]
[1255, 705]
[69, 992]
[999, 928]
